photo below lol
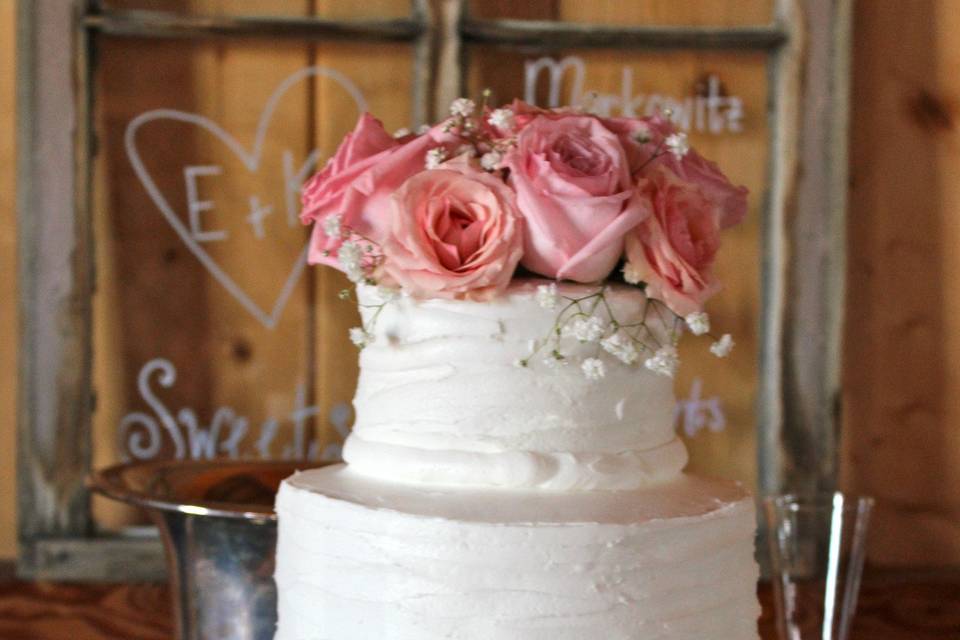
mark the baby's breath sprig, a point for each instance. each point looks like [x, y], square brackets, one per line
[358, 255]
[364, 335]
[484, 133]
[591, 319]
[675, 143]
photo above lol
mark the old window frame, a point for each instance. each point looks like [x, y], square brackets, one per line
[803, 250]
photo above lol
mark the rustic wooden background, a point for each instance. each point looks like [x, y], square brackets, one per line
[8, 285]
[902, 379]
[899, 406]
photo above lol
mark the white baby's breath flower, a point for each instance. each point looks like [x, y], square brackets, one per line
[593, 368]
[554, 360]
[631, 275]
[722, 347]
[332, 226]
[462, 107]
[465, 149]
[491, 160]
[401, 132]
[502, 118]
[422, 129]
[521, 362]
[360, 337]
[642, 133]
[350, 256]
[589, 103]
[435, 157]
[664, 362]
[620, 347]
[547, 296]
[585, 329]
[677, 144]
[698, 323]
[387, 294]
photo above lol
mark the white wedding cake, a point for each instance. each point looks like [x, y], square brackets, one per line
[481, 500]
[523, 276]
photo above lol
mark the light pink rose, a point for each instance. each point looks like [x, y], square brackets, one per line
[674, 249]
[455, 232]
[358, 181]
[691, 167]
[576, 195]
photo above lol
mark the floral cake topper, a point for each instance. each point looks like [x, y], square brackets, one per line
[459, 209]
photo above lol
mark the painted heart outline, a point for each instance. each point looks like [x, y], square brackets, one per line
[251, 159]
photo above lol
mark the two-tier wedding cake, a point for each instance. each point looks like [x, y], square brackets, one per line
[523, 277]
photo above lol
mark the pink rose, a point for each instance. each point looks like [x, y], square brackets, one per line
[691, 167]
[674, 249]
[358, 181]
[576, 195]
[455, 232]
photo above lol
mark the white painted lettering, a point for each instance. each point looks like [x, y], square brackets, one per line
[196, 206]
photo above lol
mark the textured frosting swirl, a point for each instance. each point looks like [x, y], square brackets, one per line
[360, 558]
[441, 401]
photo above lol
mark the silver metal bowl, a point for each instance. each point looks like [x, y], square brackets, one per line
[219, 530]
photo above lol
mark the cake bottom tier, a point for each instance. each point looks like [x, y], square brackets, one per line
[363, 559]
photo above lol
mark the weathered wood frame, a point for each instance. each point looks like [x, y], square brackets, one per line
[803, 250]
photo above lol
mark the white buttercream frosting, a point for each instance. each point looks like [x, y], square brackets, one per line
[361, 558]
[441, 400]
[487, 501]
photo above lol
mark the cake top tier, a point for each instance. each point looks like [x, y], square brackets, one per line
[506, 393]
[449, 220]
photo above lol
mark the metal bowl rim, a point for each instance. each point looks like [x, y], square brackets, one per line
[110, 482]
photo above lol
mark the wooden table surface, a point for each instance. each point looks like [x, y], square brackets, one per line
[900, 606]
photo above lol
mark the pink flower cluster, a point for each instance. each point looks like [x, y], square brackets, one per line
[453, 211]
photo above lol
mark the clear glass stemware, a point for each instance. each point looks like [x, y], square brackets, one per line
[817, 547]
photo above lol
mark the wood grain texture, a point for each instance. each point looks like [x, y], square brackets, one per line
[891, 608]
[902, 344]
[43, 611]
[55, 271]
[8, 282]
[812, 259]
[649, 13]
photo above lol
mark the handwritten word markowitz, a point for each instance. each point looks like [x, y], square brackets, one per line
[711, 113]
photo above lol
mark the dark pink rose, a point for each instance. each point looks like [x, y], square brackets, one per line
[674, 249]
[575, 192]
[454, 232]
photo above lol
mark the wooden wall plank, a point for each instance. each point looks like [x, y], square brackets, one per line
[55, 280]
[812, 259]
[901, 381]
[384, 72]
[8, 282]
[654, 12]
